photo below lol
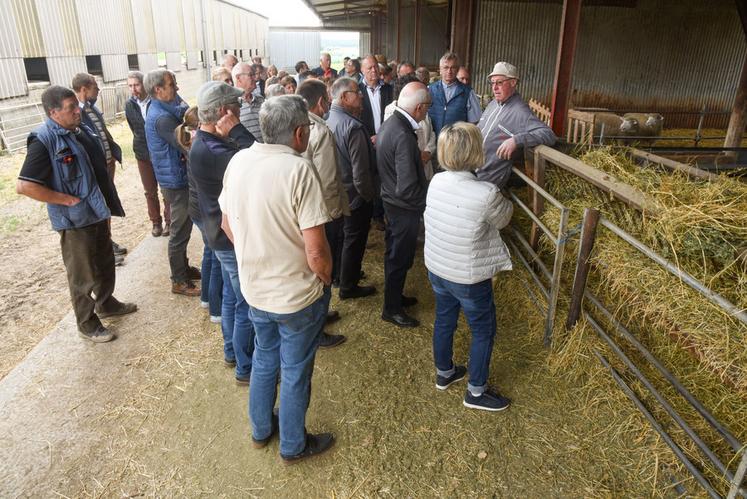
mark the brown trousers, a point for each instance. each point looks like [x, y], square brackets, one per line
[89, 261]
[150, 185]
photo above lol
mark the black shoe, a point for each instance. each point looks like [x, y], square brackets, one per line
[118, 260]
[332, 316]
[356, 292]
[331, 340]
[229, 362]
[315, 445]
[400, 319]
[363, 275]
[166, 230]
[99, 335]
[409, 301]
[490, 400]
[193, 273]
[118, 250]
[442, 382]
[157, 230]
[261, 443]
[243, 380]
[122, 309]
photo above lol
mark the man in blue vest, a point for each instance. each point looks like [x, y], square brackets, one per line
[452, 100]
[65, 167]
[165, 113]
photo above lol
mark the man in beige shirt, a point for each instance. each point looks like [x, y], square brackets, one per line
[322, 152]
[274, 212]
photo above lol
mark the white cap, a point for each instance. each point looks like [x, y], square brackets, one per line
[504, 69]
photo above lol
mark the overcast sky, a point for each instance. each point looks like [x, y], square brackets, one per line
[282, 12]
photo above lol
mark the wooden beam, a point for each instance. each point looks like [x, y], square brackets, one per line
[674, 165]
[561, 94]
[619, 190]
[738, 119]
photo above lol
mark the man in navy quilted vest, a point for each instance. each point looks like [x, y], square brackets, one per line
[452, 100]
[165, 113]
[66, 168]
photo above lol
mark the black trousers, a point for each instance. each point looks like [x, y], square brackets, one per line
[334, 232]
[89, 262]
[181, 230]
[355, 230]
[401, 243]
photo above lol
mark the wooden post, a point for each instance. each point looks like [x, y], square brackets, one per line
[738, 119]
[588, 235]
[561, 94]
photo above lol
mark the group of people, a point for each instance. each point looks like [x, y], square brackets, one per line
[284, 187]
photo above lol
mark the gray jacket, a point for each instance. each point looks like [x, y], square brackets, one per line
[355, 156]
[498, 123]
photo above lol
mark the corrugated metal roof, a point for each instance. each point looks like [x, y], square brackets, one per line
[12, 78]
[328, 10]
[29, 31]
[10, 44]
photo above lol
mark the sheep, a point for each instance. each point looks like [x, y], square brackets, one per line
[650, 124]
[614, 125]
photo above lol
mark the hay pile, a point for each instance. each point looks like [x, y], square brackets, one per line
[699, 226]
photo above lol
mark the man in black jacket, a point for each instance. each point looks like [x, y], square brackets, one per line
[403, 190]
[358, 164]
[135, 109]
[219, 137]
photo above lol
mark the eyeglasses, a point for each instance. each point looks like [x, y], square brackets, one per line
[499, 82]
[247, 74]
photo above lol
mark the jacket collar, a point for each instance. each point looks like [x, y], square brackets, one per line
[55, 127]
[339, 109]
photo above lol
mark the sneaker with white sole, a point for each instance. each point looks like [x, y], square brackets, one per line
[443, 382]
[215, 319]
[490, 400]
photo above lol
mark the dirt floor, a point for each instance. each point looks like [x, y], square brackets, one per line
[157, 414]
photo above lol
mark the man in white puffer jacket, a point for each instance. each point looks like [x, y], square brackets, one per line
[463, 251]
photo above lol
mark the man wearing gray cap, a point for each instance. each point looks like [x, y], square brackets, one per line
[218, 139]
[507, 125]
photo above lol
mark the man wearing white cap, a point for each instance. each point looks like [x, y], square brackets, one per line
[507, 124]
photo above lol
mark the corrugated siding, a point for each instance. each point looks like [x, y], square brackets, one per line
[29, 31]
[10, 44]
[101, 27]
[193, 60]
[128, 25]
[58, 21]
[262, 28]
[144, 26]
[289, 47]
[664, 55]
[364, 43]
[192, 26]
[174, 61]
[524, 34]
[147, 62]
[115, 67]
[167, 34]
[12, 78]
[62, 69]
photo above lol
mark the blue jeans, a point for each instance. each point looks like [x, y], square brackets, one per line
[285, 343]
[238, 331]
[479, 309]
[211, 290]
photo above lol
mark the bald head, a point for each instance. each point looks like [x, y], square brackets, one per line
[415, 99]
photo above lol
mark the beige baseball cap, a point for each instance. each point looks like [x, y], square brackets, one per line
[504, 69]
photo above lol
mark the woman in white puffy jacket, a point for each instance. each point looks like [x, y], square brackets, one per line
[463, 251]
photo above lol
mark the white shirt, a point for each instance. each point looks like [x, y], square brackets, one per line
[143, 105]
[415, 124]
[374, 96]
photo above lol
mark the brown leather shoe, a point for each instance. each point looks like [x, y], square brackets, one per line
[186, 288]
[193, 273]
[157, 230]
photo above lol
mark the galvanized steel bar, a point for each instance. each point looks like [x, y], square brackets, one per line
[532, 215]
[526, 264]
[695, 472]
[535, 257]
[660, 398]
[555, 282]
[691, 281]
[625, 333]
[736, 483]
[538, 188]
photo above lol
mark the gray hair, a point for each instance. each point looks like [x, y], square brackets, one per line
[136, 75]
[274, 90]
[340, 86]
[238, 69]
[448, 56]
[411, 99]
[155, 78]
[280, 116]
[208, 115]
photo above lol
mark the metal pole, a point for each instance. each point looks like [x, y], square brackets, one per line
[552, 303]
[588, 235]
[695, 472]
[207, 54]
[738, 478]
[698, 135]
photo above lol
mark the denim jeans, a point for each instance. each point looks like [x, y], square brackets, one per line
[285, 343]
[238, 331]
[211, 285]
[479, 309]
